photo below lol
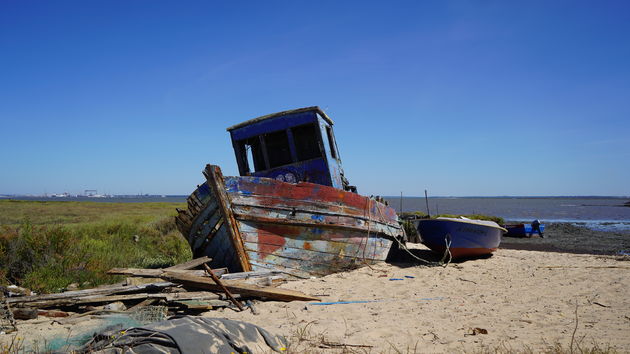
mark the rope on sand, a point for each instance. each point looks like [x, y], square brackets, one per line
[447, 253]
[577, 267]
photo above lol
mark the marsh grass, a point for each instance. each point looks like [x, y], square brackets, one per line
[45, 246]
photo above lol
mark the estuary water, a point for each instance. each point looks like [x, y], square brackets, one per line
[604, 214]
[597, 213]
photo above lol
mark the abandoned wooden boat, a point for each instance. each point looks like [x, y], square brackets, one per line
[291, 208]
[465, 237]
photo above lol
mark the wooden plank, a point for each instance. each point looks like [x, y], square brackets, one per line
[207, 283]
[190, 264]
[140, 281]
[225, 290]
[202, 304]
[252, 274]
[88, 292]
[240, 288]
[373, 227]
[192, 295]
[215, 181]
[143, 303]
[329, 241]
[113, 298]
[331, 208]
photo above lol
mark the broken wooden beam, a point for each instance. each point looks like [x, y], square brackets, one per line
[191, 264]
[225, 290]
[94, 299]
[202, 304]
[253, 274]
[106, 290]
[207, 283]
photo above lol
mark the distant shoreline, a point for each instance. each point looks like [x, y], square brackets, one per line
[389, 197]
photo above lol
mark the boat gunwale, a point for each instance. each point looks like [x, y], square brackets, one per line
[465, 222]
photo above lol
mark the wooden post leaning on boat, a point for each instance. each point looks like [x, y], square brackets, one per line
[225, 290]
[215, 181]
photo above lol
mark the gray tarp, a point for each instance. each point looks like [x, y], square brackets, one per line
[188, 334]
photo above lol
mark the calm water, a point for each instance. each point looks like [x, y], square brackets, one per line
[604, 214]
[598, 213]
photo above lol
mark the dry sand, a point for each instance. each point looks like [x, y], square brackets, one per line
[513, 295]
[523, 299]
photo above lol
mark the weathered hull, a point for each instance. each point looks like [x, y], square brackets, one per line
[304, 229]
[466, 239]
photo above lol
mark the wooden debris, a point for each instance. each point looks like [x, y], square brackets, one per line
[52, 313]
[254, 274]
[251, 306]
[206, 283]
[143, 303]
[140, 281]
[202, 304]
[191, 264]
[180, 288]
[106, 290]
[7, 322]
[225, 290]
[26, 313]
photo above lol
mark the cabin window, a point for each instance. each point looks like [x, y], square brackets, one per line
[278, 150]
[253, 153]
[306, 142]
[331, 142]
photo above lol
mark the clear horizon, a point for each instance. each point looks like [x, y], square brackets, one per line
[114, 195]
[461, 98]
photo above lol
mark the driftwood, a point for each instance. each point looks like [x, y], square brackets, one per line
[146, 287]
[225, 290]
[191, 264]
[206, 283]
[143, 303]
[248, 275]
[202, 304]
[94, 299]
[106, 290]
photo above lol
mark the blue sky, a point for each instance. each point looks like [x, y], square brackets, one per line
[458, 97]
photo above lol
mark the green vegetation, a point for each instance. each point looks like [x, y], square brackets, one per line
[45, 246]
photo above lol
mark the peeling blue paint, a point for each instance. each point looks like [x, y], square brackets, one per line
[318, 217]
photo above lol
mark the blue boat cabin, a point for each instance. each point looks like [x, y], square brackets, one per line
[291, 146]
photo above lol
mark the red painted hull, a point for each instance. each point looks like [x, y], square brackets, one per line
[303, 229]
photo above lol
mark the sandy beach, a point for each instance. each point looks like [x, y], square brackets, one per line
[524, 300]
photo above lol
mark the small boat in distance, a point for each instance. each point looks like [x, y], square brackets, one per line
[465, 237]
[521, 230]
